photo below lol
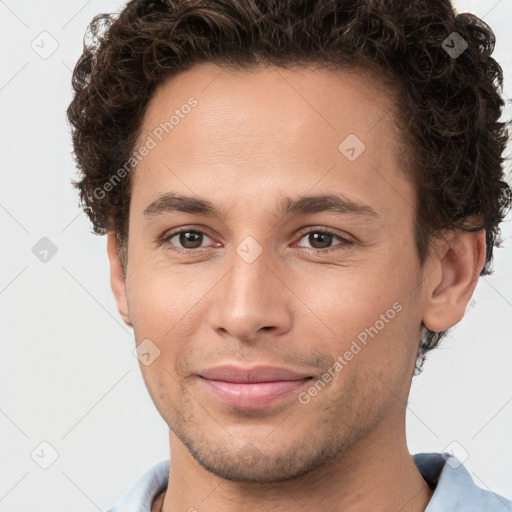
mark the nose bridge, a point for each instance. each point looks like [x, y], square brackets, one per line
[249, 297]
[250, 266]
[249, 283]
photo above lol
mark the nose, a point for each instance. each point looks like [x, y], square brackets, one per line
[251, 300]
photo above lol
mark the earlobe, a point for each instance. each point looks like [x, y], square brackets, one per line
[459, 259]
[117, 278]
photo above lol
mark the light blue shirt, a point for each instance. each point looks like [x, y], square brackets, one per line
[455, 490]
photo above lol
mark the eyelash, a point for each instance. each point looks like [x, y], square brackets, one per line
[344, 242]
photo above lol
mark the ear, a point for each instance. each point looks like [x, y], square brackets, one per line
[459, 257]
[117, 279]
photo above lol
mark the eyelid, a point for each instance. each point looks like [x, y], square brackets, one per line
[325, 229]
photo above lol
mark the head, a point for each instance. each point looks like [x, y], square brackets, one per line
[337, 176]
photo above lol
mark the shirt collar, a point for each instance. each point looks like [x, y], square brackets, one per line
[454, 491]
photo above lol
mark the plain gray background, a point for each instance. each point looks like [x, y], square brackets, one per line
[67, 371]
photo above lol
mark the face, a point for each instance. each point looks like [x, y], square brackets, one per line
[296, 251]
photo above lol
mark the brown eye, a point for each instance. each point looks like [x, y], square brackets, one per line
[190, 239]
[187, 239]
[320, 240]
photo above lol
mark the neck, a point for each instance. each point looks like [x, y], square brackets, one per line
[377, 473]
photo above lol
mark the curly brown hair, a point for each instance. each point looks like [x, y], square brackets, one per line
[450, 106]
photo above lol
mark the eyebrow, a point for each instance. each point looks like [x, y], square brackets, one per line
[302, 205]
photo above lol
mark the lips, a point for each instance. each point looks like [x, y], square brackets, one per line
[251, 388]
[229, 373]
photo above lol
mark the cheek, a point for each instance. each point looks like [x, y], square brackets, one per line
[162, 295]
[370, 315]
[346, 300]
[168, 305]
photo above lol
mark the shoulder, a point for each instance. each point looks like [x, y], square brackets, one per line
[455, 490]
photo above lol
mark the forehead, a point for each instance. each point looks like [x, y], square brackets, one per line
[290, 127]
[268, 101]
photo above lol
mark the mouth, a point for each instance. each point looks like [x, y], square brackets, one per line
[254, 388]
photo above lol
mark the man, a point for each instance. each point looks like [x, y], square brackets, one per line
[299, 198]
